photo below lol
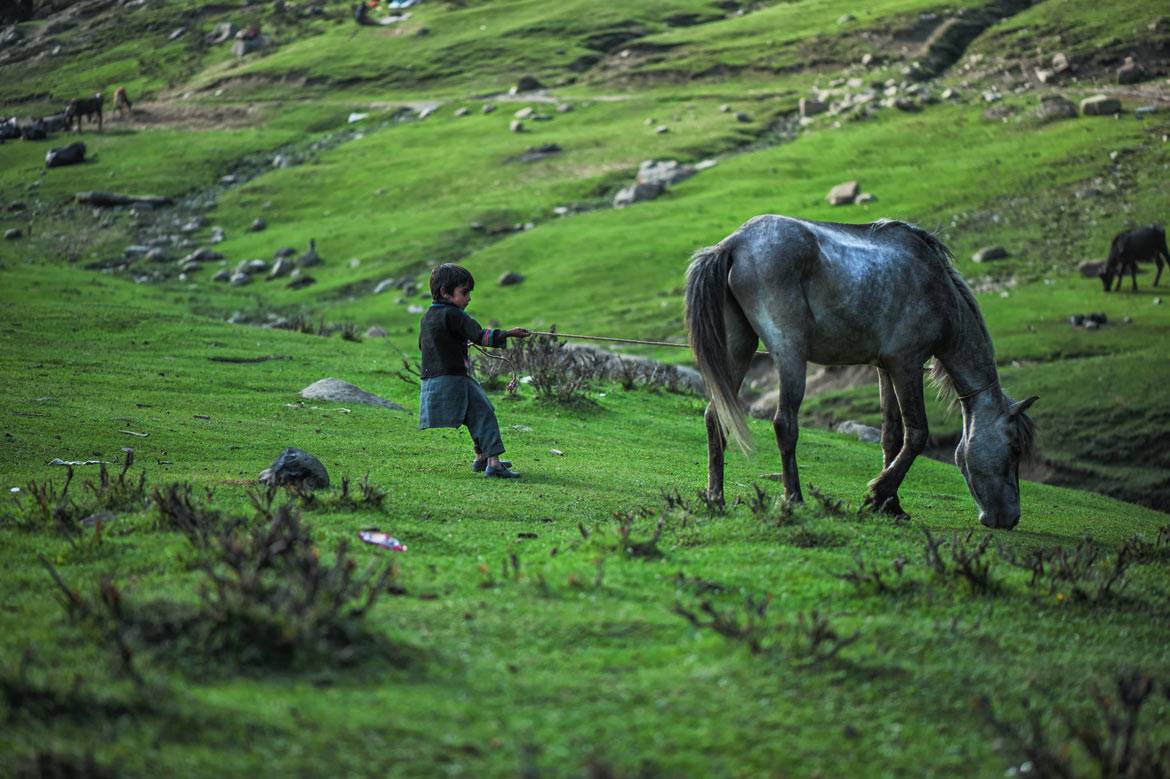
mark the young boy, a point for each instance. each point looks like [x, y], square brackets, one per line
[449, 396]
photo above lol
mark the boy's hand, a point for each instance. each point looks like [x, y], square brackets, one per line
[518, 332]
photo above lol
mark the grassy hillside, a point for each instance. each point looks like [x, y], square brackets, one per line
[595, 617]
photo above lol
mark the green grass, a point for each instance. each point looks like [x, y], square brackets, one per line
[519, 633]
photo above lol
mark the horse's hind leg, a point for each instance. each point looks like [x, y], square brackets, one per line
[741, 346]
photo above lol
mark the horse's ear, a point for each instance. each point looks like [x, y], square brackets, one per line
[1022, 406]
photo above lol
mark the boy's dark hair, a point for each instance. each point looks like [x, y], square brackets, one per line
[447, 277]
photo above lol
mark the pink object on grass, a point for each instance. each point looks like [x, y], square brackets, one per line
[381, 539]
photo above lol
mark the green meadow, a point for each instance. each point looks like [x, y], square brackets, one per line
[163, 613]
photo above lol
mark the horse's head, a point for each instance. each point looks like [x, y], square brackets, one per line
[995, 436]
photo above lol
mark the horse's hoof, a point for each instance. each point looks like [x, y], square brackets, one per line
[889, 505]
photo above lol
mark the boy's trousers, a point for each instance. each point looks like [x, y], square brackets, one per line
[451, 401]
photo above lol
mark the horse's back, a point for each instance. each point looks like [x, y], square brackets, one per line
[850, 293]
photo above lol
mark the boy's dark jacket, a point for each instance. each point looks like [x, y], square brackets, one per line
[443, 337]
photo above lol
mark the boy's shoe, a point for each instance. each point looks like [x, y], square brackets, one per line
[478, 466]
[500, 473]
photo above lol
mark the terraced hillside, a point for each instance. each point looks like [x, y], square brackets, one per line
[153, 300]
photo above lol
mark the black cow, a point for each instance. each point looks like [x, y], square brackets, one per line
[84, 106]
[56, 123]
[65, 155]
[1141, 243]
[34, 131]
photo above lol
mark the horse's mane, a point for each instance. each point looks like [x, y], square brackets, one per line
[947, 392]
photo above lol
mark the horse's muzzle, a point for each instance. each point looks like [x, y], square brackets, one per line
[1004, 522]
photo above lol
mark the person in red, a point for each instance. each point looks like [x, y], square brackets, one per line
[449, 396]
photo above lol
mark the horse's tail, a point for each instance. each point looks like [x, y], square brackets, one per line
[705, 295]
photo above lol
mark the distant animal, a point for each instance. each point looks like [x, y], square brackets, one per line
[33, 131]
[65, 155]
[1141, 243]
[56, 123]
[122, 101]
[883, 294]
[9, 129]
[309, 258]
[84, 106]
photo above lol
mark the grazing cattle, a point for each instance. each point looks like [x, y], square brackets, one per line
[85, 106]
[122, 101]
[1141, 243]
[65, 155]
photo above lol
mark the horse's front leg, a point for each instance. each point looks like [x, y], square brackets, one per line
[787, 425]
[716, 447]
[905, 385]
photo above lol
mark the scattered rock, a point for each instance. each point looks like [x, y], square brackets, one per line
[284, 251]
[239, 279]
[843, 194]
[509, 278]
[1055, 107]
[664, 173]
[488, 108]
[809, 107]
[1091, 269]
[1060, 62]
[222, 33]
[376, 332]
[295, 466]
[524, 113]
[158, 255]
[988, 253]
[1100, 105]
[636, 193]
[1131, 73]
[343, 392]
[281, 267]
[870, 435]
[300, 282]
[740, 116]
[13, 233]
[257, 225]
[464, 111]
[516, 126]
[223, 274]
[660, 129]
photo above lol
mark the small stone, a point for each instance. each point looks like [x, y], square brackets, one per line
[509, 278]
[257, 225]
[989, 253]
[516, 126]
[13, 233]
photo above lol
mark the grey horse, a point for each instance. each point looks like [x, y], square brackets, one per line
[883, 294]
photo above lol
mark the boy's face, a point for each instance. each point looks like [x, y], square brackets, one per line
[460, 296]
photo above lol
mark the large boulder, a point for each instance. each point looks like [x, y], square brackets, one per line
[1100, 105]
[343, 392]
[843, 194]
[296, 467]
[665, 173]
[1055, 107]
[636, 193]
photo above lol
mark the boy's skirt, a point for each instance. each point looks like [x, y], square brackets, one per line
[451, 401]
